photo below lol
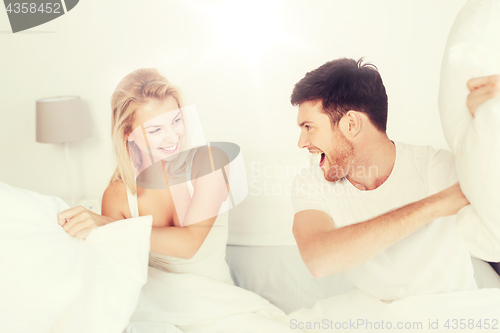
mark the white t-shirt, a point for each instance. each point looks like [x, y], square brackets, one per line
[433, 259]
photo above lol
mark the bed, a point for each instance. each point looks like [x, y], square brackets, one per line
[53, 278]
[53, 282]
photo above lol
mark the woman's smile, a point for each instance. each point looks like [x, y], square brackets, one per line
[169, 149]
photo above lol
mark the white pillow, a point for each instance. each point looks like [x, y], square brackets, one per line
[53, 282]
[278, 274]
[265, 216]
[472, 50]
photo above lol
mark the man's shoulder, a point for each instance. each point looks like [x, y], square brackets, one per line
[427, 162]
[421, 153]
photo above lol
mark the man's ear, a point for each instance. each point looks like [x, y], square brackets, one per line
[351, 123]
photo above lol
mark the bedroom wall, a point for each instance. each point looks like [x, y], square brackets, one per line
[237, 61]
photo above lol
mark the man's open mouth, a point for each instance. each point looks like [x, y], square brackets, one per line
[322, 161]
[323, 156]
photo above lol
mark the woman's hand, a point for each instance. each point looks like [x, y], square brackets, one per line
[482, 89]
[79, 221]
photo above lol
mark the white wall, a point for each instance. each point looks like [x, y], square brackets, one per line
[237, 61]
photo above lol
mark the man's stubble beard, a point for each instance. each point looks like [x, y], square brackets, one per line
[342, 161]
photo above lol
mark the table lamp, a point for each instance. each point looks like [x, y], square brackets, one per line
[61, 120]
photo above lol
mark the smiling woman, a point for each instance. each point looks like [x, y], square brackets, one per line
[189, 283]
[149, 131]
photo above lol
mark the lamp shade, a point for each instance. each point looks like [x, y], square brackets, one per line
[61, 119]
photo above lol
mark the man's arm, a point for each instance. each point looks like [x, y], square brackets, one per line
[328, 250]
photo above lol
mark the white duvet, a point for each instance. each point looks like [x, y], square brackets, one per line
[51, 282]
[193, 303]
[447, 312]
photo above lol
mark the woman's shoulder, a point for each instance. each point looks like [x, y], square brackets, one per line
[114, 200]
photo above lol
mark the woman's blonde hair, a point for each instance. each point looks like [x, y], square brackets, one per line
[133, 92]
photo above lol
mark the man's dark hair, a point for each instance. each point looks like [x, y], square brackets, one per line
[343, 85]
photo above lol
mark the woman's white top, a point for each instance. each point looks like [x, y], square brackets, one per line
[209, 261]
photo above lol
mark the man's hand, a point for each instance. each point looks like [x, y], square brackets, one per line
[482, 89]
[79, 221]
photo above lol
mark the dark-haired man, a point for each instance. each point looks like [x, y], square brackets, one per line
[381, 211]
